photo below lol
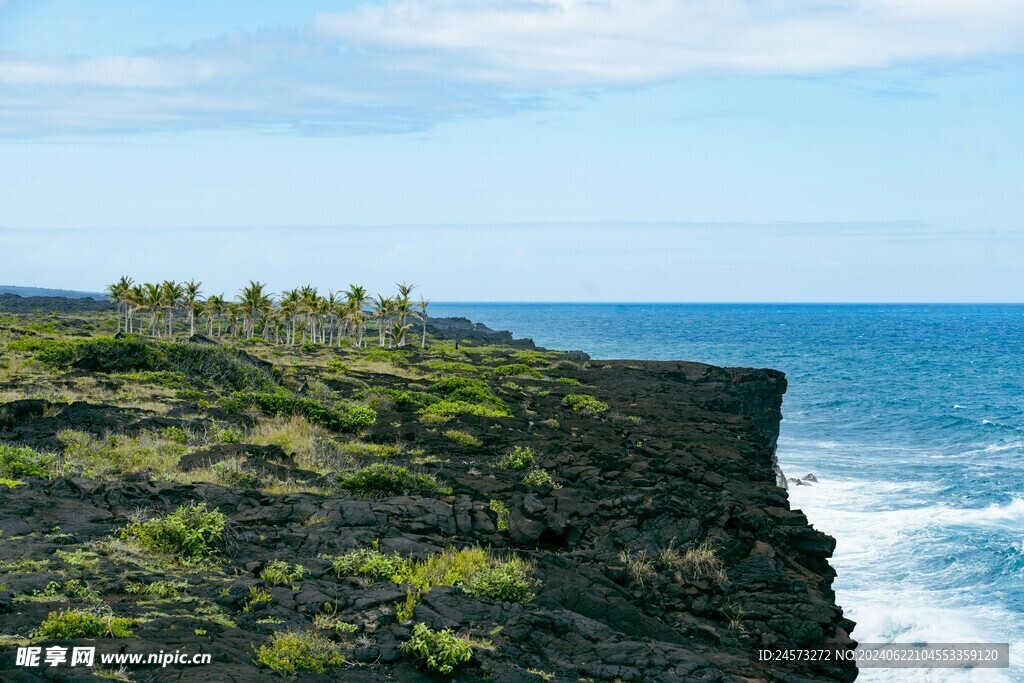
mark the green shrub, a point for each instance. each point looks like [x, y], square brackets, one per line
[190, 533]
[540, 477]
[233, 473]
[74, 623]
[290, 652]
[569, 381]
[441, 651]
[501, 510]
[164, 590]
[370, 562]
[519, 458]
[22, 461]
[462, 438]
[516, 370]
[506, 581]
[280, 573]
[409, 399]
[465, 395]
[337, 366]
[307, 347]
[230, 435]
[446, 409]
[10, 483]
[350, 418]
[580, 403]
[382, 479]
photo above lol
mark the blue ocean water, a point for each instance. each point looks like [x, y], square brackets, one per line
[912, 418]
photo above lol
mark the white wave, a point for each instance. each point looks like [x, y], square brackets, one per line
[878, 585]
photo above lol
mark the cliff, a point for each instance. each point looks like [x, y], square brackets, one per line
[681, 460]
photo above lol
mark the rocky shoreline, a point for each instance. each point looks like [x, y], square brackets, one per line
[684, 455]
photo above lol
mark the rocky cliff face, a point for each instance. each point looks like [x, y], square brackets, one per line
[683, 459]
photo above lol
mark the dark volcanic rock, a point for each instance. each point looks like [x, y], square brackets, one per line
[12, 303]
[684, 455]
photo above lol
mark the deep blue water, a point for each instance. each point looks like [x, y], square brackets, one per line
[911, 416]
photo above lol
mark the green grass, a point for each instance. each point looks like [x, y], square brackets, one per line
[280, 573]
[463, 439]
[584, 403]
[189, 534]
[540, 477]
[516, 370]
[438, 651]
[382, 479]
[22, 461]
[347, 418]
[291, 652]
[519, 458]
[74, 623]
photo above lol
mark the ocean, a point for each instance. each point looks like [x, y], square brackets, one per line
[911, 417]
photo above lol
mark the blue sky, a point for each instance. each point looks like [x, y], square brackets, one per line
[713, 150]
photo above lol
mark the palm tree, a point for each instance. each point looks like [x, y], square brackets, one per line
[382, 307]
[152, 300]
[170, 293]
[119, 292]
[355, 299]
[213, 308]
[190, 294]
[289, 304]
[252, 300]
[422, 315]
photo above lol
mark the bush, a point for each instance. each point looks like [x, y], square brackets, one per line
[337, 366]
[580, 403]
[441, 651]
[234, 474]
[350, 418]
[74, 623]
[519, 458]
[516, 370]
[190, 533]
[280, 573]
[506, 581]
[370, 562]
[462, 438]
[446, 409]
[22, 461]
[382, 479]
[465, 395]
[289, 652]
[501, 510]
[540, 477]
[569, 381]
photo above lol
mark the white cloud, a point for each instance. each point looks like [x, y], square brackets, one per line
[108, 72]
[593, 42]
[383, 68]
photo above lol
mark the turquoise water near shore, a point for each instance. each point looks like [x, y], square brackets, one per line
[912, 418]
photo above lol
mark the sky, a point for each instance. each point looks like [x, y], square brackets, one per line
[519, 150]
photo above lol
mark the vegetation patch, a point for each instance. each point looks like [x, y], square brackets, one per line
[21, 461]
[189, 534]
[465, 396]
[438, 651]
[516, 370]
[540, 477]
[463, 439]
[74, 623]
[101, 457]
[501, 510]
[519, 458]
[584, 403]
[351, 418]
[280, 573]
[382, 479]
[290, 652]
